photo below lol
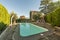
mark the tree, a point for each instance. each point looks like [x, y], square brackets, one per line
[4, 15]
[14, 16]
[47, 7]
[18, 20]
[54, 17]
[44, 4]
[57, 3]
[51, 7]
[36, 17]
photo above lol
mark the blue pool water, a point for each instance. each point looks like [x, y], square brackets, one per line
[28, 29]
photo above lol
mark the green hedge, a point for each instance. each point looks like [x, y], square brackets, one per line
[54, 17]
[4, 15]
[2, 26]
[22, 20]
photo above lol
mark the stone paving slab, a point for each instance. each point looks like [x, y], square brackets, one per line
[7, 34]
[13, 34]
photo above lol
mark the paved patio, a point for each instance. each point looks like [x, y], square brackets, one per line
[50, 35]
[7, 33]
[13, 34]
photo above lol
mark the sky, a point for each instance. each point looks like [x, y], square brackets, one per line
[21, 7]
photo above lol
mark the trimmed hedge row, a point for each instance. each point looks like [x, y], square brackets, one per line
[4, 15]
[53, 17]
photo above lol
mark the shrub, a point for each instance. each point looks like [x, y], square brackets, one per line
[54, 17]
[2, 26]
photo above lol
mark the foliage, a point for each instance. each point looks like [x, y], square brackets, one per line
[22, 20]
[48, 6]
[2, 26]
[36, 17]
[14, 16]
[4, 16]
[44, 5]
[45, 2]
[18, 20]
[54, 17]
[49, 18]
[57, 3]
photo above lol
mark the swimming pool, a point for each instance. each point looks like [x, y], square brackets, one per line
[28, 29]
